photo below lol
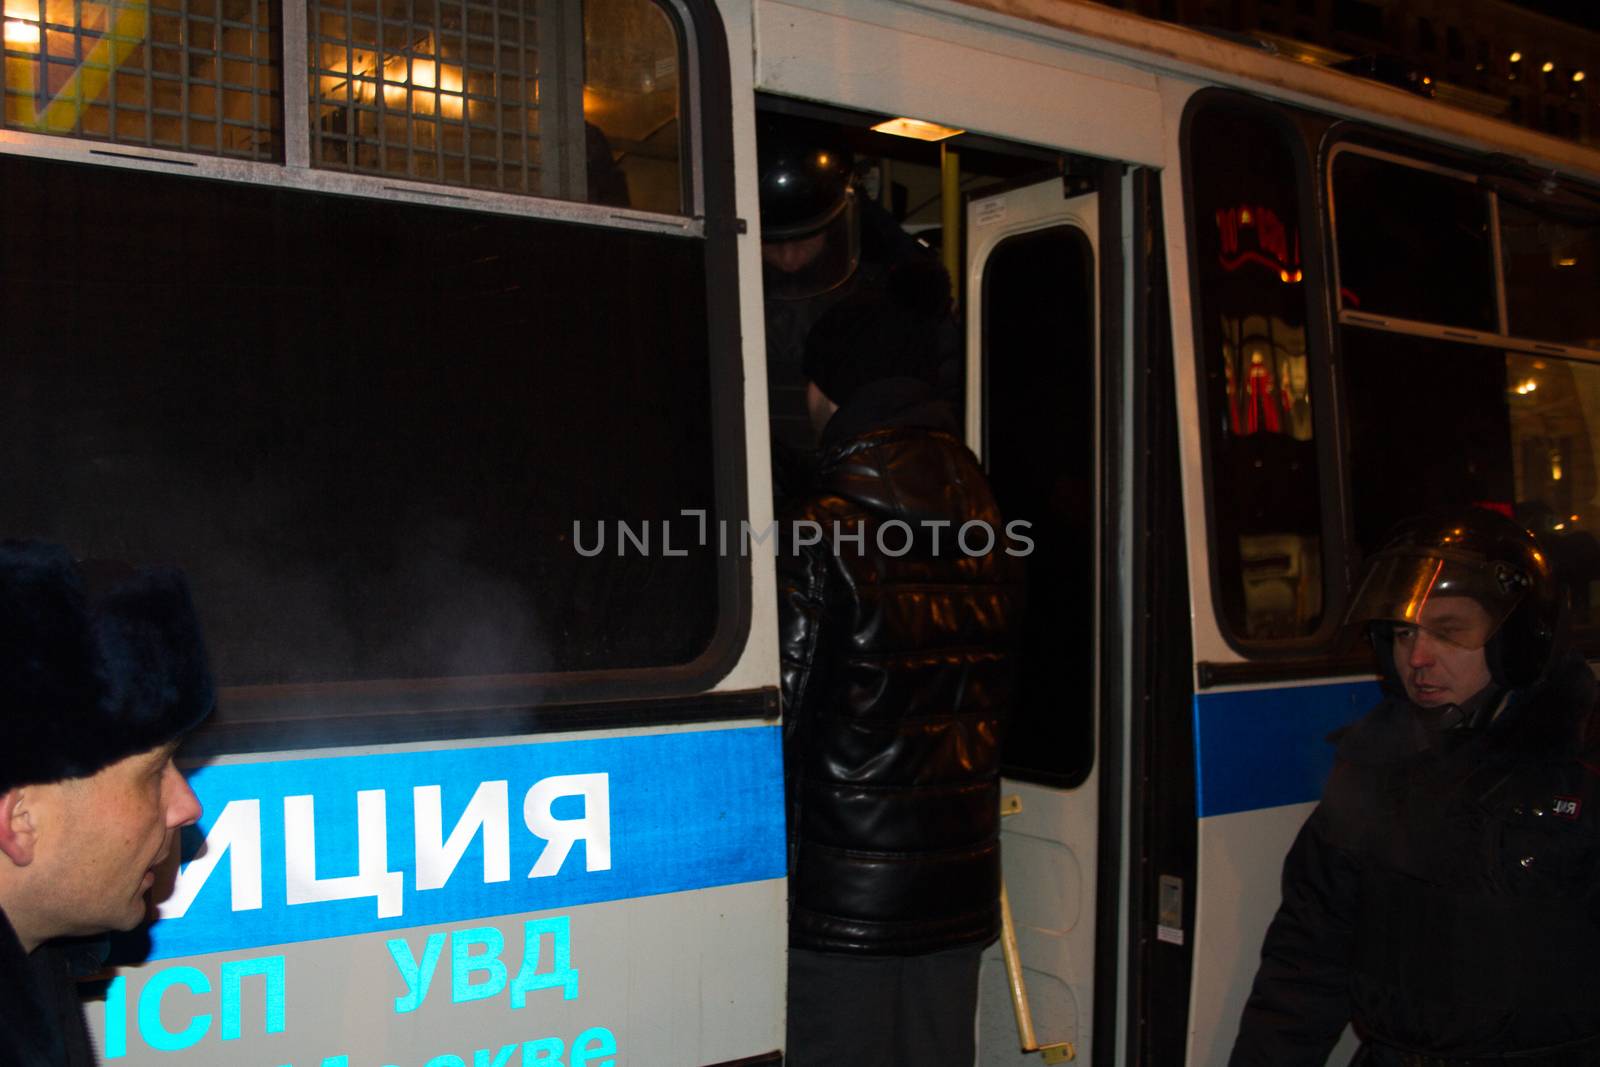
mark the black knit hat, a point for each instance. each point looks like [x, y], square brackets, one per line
[86, 682]
[891, 330]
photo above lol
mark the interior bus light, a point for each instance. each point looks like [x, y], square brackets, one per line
[917, 129]
[1577, 75]
[22, 33]
[1516, 57]
[1548, 66]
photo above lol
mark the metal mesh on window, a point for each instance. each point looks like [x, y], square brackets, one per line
[192, 75]
[437, 90]
[556, 98]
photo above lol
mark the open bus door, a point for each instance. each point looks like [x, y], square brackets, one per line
[1031, 414]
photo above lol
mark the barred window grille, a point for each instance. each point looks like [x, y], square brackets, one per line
[571, 99]
[428, 89]
[191, 75]
[543, 97]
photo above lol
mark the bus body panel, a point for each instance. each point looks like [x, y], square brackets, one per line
[1261, 757]
[390, 906]
[919, 64]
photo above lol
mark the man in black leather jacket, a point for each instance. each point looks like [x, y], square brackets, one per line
[898, 618]
[1445, 895]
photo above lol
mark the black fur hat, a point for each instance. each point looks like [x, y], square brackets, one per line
[85, 682]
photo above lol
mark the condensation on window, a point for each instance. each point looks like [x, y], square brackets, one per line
[1554, 413]
[187, 75]
[540, 97]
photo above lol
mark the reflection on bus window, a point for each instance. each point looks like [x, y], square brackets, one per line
[1552, 271]
[187, 75]
[1555, 413]
[1264, 361]
[1266, 497]
[1413, 243]
[576, 102]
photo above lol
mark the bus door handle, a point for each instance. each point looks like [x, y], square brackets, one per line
[1058, 1051]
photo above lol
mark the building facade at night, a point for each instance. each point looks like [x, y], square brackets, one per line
[1486, 55]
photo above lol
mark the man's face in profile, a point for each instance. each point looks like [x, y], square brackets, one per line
[101, 839]
[1441, 659]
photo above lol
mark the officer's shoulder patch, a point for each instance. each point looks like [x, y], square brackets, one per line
[1566, 807]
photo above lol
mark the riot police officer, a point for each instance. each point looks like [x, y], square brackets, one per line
[821, 241]
[1444, 896]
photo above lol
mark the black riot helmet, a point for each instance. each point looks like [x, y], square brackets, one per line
[1479, 554]
[810, 238]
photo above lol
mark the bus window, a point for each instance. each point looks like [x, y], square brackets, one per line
[1413, 243]
[172, 74]
[1552, 271]
[1407, 457]
[566, 101]
[388, 441]
[1555, 461]
[1512, 430]
[422, 448]
[1251, 311]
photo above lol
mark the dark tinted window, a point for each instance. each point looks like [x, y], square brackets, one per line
[1409, 457]
[365, 428]
[1552, 270]
[1251, 320]
[1510, 430]
[1038, 351]
[1413, 243]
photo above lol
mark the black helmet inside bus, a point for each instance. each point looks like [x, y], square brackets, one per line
[810, 236]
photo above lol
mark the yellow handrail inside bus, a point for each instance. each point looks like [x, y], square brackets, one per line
[1058, 1051]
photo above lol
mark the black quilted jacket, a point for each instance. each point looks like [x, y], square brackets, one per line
[897, 669]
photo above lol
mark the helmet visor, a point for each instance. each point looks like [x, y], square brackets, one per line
[1459, 601]
[797, 267]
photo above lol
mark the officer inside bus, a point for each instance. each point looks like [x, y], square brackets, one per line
[1444, 896]
[95, 693]
[821, 241]
[898, 653]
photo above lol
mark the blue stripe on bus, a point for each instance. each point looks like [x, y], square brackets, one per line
[1263, 748]
[687, 811]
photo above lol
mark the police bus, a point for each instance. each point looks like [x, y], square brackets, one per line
[427, 337]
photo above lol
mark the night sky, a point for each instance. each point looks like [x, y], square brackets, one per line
[1584, 13]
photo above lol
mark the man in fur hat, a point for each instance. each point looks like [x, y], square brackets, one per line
[898, 647]
[96, 691]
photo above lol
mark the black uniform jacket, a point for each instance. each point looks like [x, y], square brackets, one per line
[896, 670]
[1445, 894]
[41, 1017]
